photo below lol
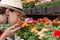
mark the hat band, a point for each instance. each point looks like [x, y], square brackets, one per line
[17, 8]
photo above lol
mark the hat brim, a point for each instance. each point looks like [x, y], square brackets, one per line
[11, 7]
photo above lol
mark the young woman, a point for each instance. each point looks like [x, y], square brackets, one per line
[13, 17]
[10, 12]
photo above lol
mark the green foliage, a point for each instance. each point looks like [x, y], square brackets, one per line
[49, 36]
[56, 2]
[41, 5]
[40, 26]
[34, 37]
[45, 4]
[29, 5]
[52, 28]
[26, 34]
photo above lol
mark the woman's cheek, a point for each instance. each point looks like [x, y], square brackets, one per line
[13, 19]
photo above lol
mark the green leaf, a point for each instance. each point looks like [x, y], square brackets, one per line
[35, 37]
[49, 36]
[29, 5]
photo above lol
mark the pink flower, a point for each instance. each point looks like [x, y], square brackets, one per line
[28, 20]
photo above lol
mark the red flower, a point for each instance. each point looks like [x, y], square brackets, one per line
[34, 22]
[53, 22]
[56, 33]
[45, 19]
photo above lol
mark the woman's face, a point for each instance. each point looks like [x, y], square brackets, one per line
[14, 17]
[2, 18]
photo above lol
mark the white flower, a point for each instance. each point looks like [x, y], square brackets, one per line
[41, 36]
[45, 29]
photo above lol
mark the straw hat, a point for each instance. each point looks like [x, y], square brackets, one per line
[12, 4]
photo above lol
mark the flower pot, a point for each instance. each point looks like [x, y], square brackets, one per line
[38, 11]
[41, 11]
[56, 8]
[50, 10]
[27, 11]
[34, 12]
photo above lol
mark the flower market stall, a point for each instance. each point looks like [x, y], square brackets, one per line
[42, 22]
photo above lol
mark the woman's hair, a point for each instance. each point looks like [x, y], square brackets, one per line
[3, 10]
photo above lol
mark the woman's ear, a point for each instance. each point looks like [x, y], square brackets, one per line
[7, 11]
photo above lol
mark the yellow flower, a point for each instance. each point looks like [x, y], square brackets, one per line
[34, 30]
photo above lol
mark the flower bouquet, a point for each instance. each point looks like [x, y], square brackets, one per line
[40, 29]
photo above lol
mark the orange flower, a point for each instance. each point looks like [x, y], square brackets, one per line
[58, 22]
[20, 23]
[34, 30]
[47, 22]
[24, 24]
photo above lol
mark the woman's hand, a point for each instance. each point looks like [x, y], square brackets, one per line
[9, 32]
